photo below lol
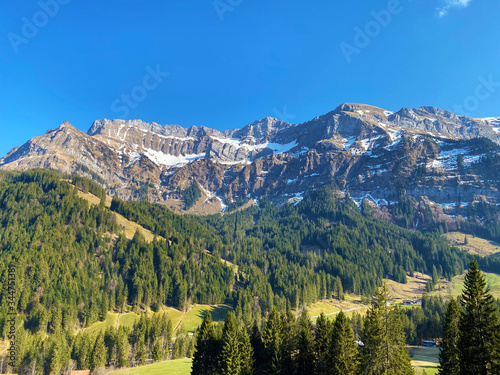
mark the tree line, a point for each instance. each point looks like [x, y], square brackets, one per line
[295, 346]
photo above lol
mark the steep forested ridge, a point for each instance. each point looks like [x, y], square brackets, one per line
[73, 264]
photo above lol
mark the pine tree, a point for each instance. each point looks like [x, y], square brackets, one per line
[167, 335]
[191, 348]
[343, 353]
[322, 334]
[180, 345]
[110, 339]
[338, 290]
[289, 343]
[246, 350]
[384, 349]
[306, 356]
[273, 339]
[205, 356]
[140, 351]
[98, 358]
[84, 351]
[478, 343]
[258, 349]
[230, 355]
[449, 358]
[123, 347]
[157, 351]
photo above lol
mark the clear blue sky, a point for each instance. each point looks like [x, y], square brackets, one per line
[230, 62]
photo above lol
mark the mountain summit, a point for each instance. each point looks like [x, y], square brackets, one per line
[366, 151]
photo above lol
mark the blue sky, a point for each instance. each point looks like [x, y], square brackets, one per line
[226, 63]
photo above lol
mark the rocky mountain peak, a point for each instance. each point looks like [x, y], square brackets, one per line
[66, 125]
[357, 108]
[365, 149]
[404, 116]
[261, 129]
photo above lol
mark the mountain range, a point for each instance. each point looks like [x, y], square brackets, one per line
[365, 151]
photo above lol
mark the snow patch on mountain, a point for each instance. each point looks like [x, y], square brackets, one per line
[348, 142]
[166, 160]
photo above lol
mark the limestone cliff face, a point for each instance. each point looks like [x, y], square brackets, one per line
[366, 151]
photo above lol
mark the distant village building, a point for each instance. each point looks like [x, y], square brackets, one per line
[412, 302]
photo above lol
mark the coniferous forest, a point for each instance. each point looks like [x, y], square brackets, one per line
[289, 345]
[65, 264]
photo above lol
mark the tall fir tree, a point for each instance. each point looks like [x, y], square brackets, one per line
[449, 357]
[191, 348]
[273, 339]
[157, 351]
[479, 325]
[306, 356]
[258, 349]
[140, 351]
[205, 355]
[167, 335]
[246, 350]
[343, 353]
[123, 347]
[230, 354]
[322, 334]
[289, 343]
[98, 353]
[110, 340]
[384, 350]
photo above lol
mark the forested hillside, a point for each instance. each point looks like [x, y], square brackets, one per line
[73, 263]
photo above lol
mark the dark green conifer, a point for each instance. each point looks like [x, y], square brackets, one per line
[98, 353]
[273, 339]
[322, 334]
[478, 324]
[384, 350]
[140, 351]
[247, 354]
[449, 357]
[123, 347]
[230, 355]
[343, 353]
[205, 355]
[306, 356]
[289, 344]
[258, 349]
[191, 348]
[157, 351]
[110, 340]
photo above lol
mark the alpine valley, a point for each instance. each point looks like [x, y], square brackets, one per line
[117, 245]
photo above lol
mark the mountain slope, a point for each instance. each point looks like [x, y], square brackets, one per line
[367, 151]
[72, 264]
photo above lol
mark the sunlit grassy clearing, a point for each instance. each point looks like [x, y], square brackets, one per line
[454, 288]
[174, 367]
[424, 358]
[193, 318]
[474, 246]
[129, 227]
[127, 319]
